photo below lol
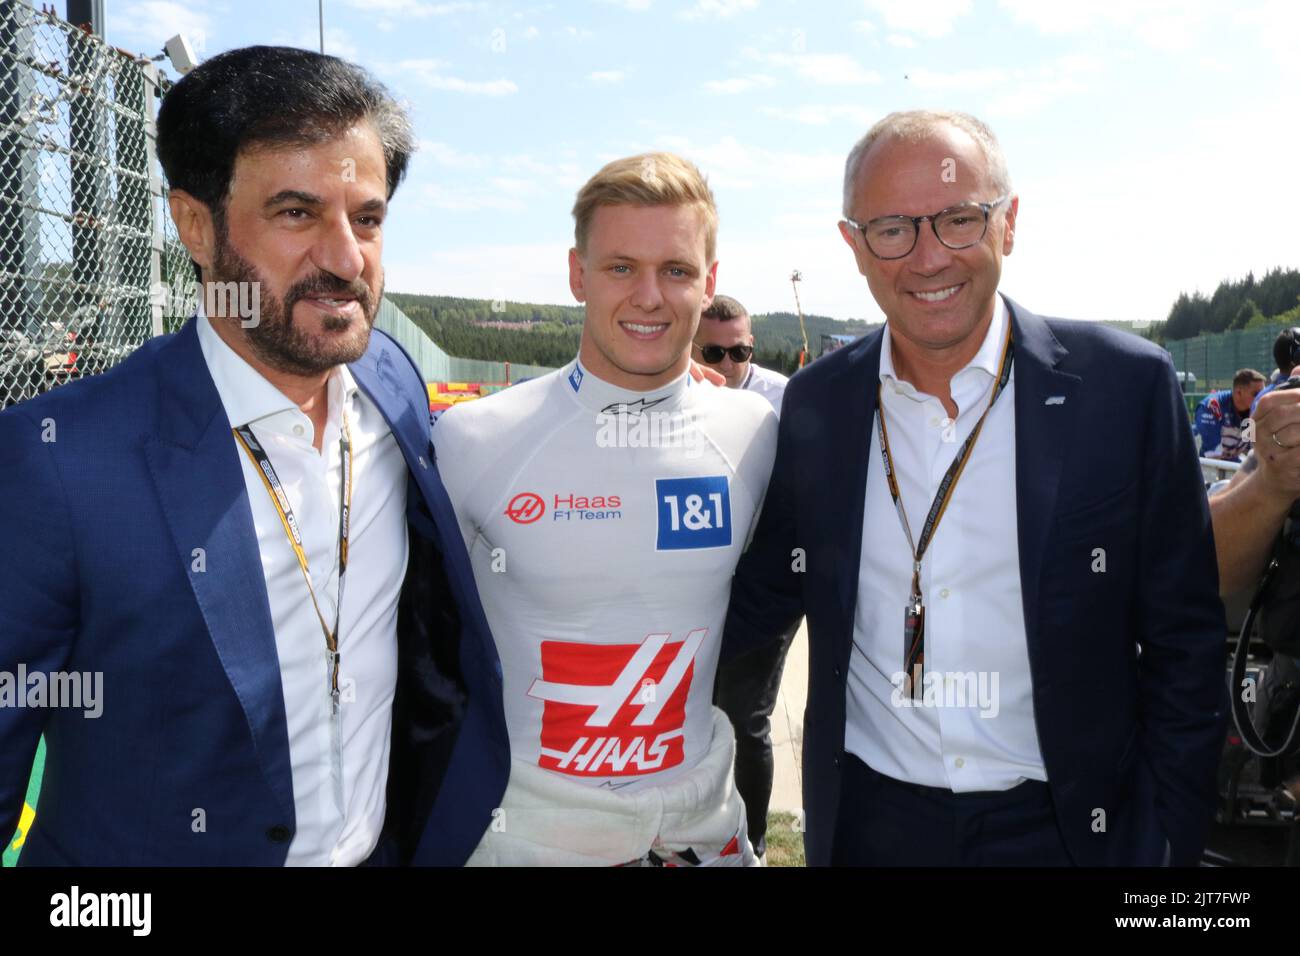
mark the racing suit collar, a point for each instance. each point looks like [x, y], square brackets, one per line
[600, 396]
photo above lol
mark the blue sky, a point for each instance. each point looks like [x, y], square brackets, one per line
[1153, 144]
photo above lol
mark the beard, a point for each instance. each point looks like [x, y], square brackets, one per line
[275, 339]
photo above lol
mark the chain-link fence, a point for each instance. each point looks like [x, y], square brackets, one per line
[90, 263]
[86, 271]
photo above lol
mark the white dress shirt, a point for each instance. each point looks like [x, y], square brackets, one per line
[769, 384]
[327, 833]
[976, 730]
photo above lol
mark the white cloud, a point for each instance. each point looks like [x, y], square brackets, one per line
[864, 26]
[901, 40]
[410, 8]
[1274, 26]
[1161, 24]
[717, 9]
[468, 198]
[932, 18]
[154, 22]
[513, 187]
[577, 33]
[337, 43]
[507, 171]
[826, 69]
[740, 84]
[959, 79]
[532, 33]
[522, 272]
[1029, 91]
[731, 164]
[814, 114]
[445, 155]
[433, 73]
[637, 5]
[606, 77]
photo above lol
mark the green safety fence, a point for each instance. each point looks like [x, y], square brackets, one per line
[1214, 359]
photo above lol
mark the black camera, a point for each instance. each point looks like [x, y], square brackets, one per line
[1286, 352]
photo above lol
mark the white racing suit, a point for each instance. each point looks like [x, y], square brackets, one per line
[604, 527]
[694, 819]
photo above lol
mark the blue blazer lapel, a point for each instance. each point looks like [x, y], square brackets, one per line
[859, 398]
[408, 416]
[200, 483]
[1043, 433]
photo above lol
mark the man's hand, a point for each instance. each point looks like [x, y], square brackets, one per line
[1277, 443]
[1249, 513]
[702, 373]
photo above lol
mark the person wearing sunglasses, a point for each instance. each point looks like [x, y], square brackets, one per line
[725, 342]
[747, 687]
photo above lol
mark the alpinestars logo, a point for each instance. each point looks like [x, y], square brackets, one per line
[615, 710]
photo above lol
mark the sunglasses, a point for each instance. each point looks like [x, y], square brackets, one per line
[713, 353]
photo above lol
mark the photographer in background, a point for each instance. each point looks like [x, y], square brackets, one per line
[1250, 530]
[1218, 417]
[1284, 346]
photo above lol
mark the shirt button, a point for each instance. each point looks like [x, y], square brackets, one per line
[944, 593]
[298, 430]
[959, 763]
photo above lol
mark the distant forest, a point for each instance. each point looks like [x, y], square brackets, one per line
[549, 334]
[1236, 304]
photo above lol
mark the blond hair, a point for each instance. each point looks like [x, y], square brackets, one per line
[649, 179]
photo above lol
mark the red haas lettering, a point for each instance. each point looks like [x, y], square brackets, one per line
[611, 756]
[599, 721]
[582, 503]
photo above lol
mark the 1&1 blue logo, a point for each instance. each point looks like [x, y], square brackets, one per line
[693, 513]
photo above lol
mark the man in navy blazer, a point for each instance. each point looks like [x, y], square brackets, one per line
[132, 547]
[1074, 554]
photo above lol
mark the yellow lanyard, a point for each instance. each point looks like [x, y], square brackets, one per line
[262, 464]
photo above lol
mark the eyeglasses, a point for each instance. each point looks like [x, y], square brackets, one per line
[713, 353]
[957, 227]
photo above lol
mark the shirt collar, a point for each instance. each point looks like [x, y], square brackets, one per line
[248, 397]
[985, 360]
[601, 396]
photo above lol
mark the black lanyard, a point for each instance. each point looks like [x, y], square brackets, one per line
[914, 617]
[262, 463]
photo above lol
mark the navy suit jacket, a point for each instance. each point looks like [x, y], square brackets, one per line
[100, 572]
[1128, 672]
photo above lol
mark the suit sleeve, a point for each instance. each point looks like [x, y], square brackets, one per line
[767, 592]
[1181, 686]
[38, 588]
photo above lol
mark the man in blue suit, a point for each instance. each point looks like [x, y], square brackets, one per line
[180, 528]
[996, 527]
